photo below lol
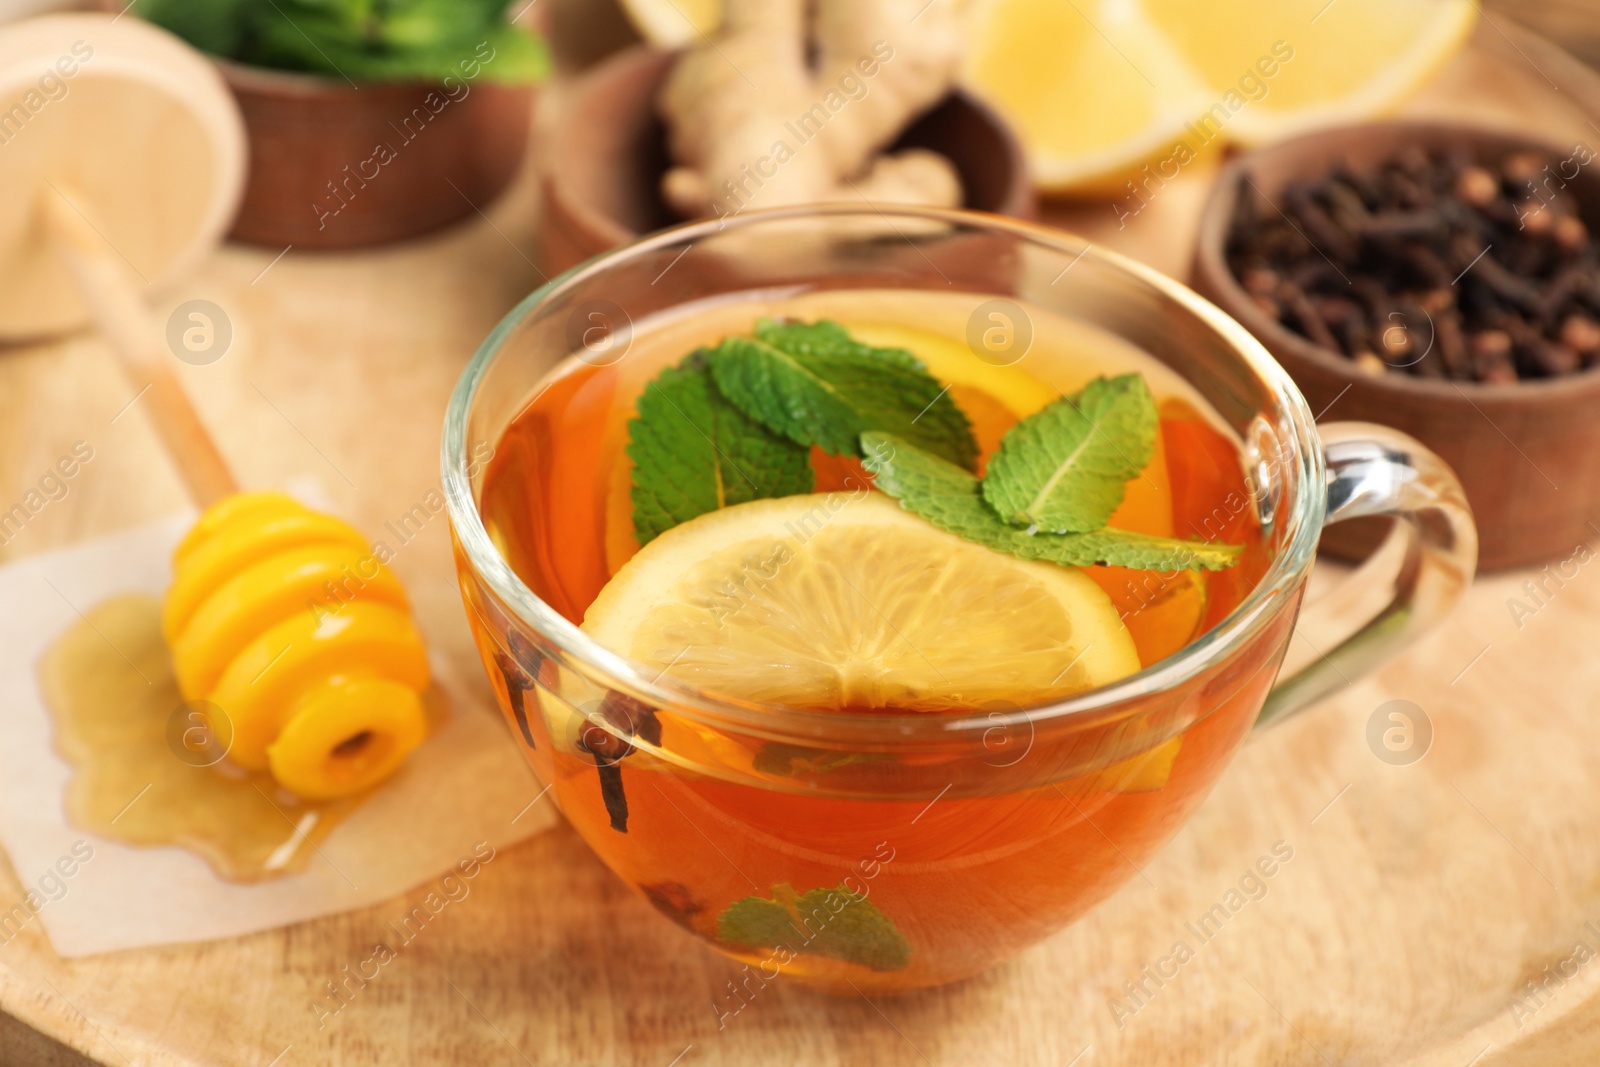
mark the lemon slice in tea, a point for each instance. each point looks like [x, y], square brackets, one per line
[845, 601]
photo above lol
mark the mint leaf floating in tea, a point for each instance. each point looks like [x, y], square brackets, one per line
[816, 385]
[1064, 468]
[694, 452]
[833, 922]
[953, 500]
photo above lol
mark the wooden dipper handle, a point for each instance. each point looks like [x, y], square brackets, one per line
[120, 314]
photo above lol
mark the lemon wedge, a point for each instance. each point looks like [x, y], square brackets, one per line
[1329, 62]
[843, 600]
[1093, 89]
[1099, 87]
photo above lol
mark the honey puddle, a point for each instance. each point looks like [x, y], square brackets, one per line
[121, 723]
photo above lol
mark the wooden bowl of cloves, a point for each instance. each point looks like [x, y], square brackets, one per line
[1442, 280]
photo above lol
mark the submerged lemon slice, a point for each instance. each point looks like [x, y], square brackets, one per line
[840, 600]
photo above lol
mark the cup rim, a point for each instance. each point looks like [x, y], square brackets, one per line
[1303, 521]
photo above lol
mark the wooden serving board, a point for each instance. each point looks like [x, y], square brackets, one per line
[1416, 903]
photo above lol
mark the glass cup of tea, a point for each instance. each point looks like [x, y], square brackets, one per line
[886, 847]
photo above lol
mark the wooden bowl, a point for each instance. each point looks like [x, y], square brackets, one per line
[603, 179]
[1528, 454]
[320, 178]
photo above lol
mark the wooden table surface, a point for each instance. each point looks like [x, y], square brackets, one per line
[1418, 901]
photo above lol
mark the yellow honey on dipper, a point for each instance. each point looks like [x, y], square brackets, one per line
[321, 690]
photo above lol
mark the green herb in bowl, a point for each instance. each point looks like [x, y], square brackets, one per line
[361, 40]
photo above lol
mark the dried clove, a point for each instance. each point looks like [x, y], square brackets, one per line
[1491, 357]
[612, 794]
[1452, 345]
[1260, 281]
[624, 715]
[1582, 334]
[1571, 234]
[1477, 186]
[1537, 356]
[1295, 304]
[520, 670]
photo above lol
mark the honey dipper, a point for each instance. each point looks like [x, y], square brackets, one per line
[324, 692]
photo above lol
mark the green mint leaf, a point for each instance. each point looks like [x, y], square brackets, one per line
[1064, 468]
[952, 500]
[814, 384]
[446, 41]
[824, 922]
[694, 452]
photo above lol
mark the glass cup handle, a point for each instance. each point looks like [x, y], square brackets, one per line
[1373, 470]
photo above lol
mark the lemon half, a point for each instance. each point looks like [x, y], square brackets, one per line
[841, 600]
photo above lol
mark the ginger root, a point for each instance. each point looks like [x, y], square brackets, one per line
[795, 102]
